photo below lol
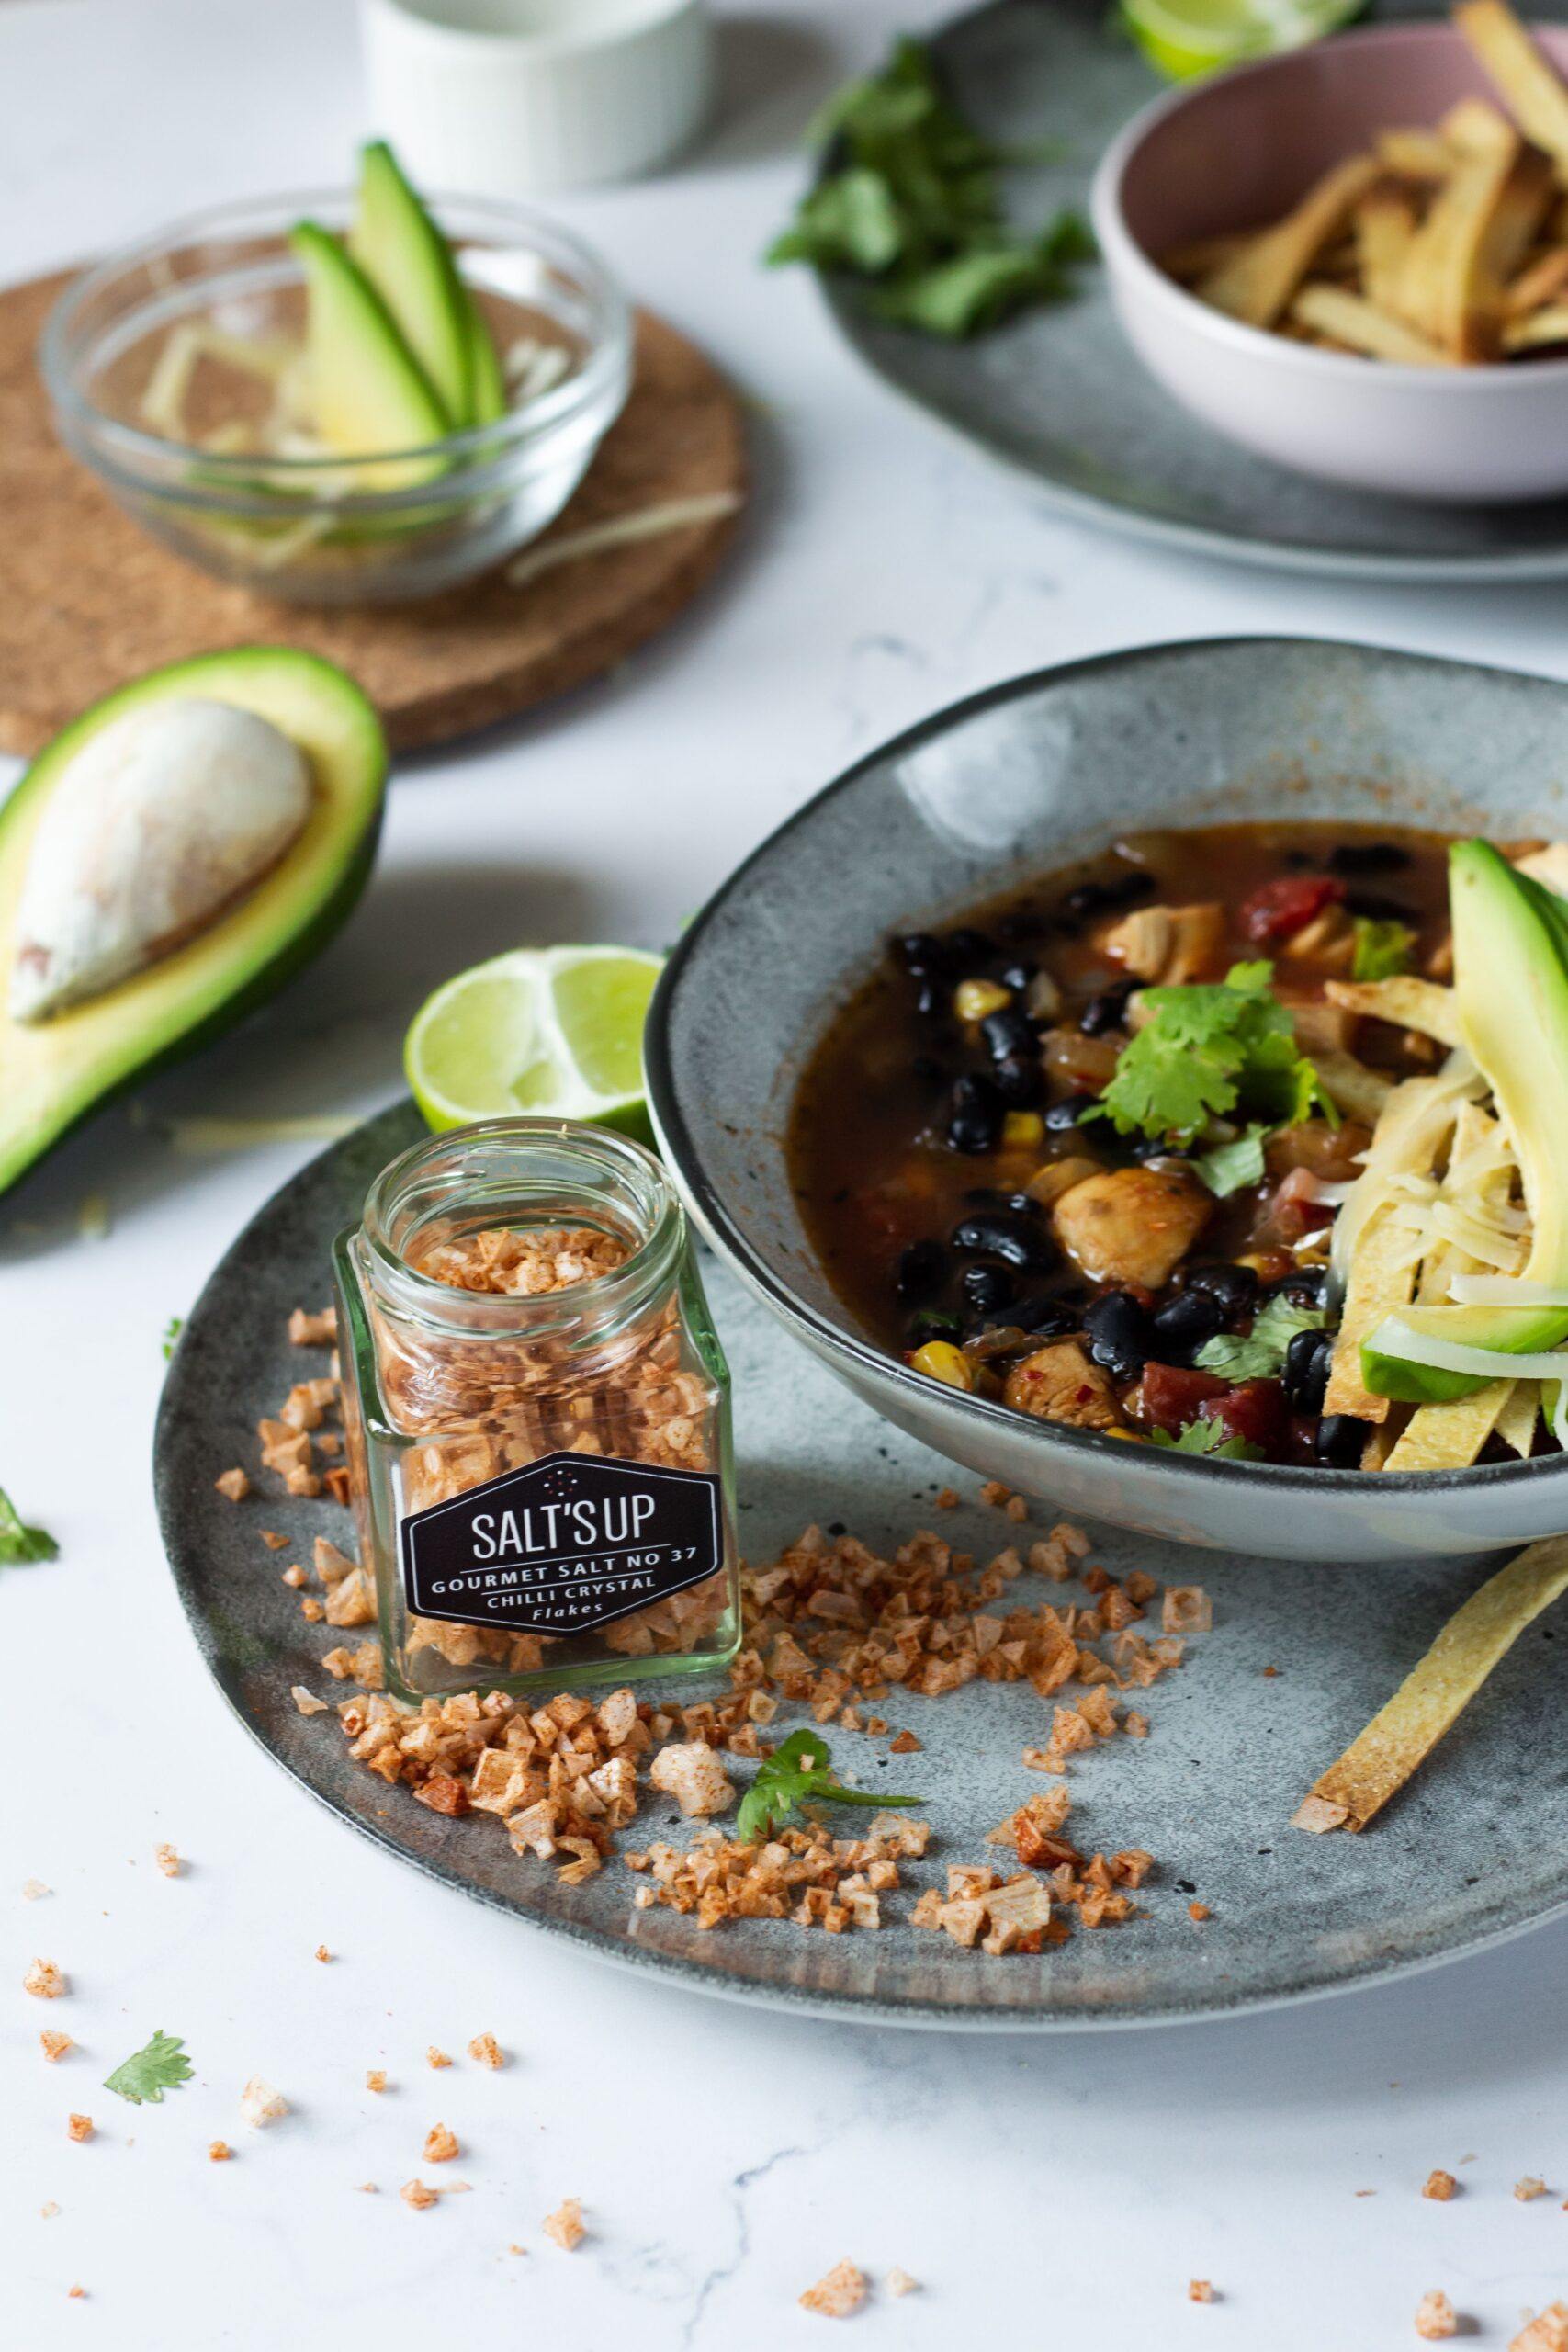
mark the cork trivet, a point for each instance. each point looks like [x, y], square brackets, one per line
[89, 603]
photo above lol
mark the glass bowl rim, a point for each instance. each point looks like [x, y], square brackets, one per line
[63, 344]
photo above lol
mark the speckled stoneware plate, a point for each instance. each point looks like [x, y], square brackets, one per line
[1472, 1853]
[1058, 393]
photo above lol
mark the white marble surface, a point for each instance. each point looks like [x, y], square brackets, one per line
[1064, 2191]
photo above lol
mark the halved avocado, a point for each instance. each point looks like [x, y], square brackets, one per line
[55, 1073]
[410, 264]
[367, 390]
[1511, 983]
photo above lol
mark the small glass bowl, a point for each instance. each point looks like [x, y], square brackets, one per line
[212, 309]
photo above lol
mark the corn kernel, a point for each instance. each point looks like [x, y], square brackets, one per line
[939, 1360]
[971, 1000]
[1022, 1127]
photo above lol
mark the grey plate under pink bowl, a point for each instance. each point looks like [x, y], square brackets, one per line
[1059, 395]
[1472, 1852]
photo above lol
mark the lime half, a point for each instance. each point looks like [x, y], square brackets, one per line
[1182, 39]
[552, 1032]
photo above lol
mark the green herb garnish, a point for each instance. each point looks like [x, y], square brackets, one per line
[19, 1545]
[799, 1768]
[1261, 1354]
[147, 2073]
[1207, 1437]
[910, 203]
[1206, 1053]
[1383, 949]
[172, 1330]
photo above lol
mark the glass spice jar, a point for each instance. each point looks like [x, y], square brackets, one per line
[538, 1415]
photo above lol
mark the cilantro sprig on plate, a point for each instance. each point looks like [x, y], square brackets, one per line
[910, 203]
[1220, 1051]
[160, 2065]
[799, 1769]
[21, 1545]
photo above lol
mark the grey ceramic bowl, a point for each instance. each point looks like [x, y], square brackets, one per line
[1014, 783]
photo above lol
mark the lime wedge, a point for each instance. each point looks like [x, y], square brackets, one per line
[1182, 39]
[551, 1031]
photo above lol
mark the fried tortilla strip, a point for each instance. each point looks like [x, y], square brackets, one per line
[1416, 154]
[1539, 331]
[1531, 88]
[1475, 1639]
[1359, 325]
[1407, 1002]
[1203, 255]
[1477, 128]
[1541, 281]
[1516, 1422]
[1481, 224]
[1385, 223]
[1549, 865]
[1449, 1436]
[1382, 1276]
[1257, 284]
[1351, 1086]
[1382, 1439]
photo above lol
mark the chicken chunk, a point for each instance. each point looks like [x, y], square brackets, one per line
[1168, 945]
[1059, 1384]
[1131, 1225]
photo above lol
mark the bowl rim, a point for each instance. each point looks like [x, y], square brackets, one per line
[607, 360]
[676, 1145]
[1124, 253]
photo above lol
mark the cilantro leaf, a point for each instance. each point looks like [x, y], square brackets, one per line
[148, 2072]
[172, 1330]
[19, 1545]
[909, 200]
[1261, 1354]
[1231, 1167]
[1209, 1437]
[1207, 1051]
[799, 1769]
[1383, 949]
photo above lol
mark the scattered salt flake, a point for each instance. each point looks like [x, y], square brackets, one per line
[55, 2045]
[1527, 2189]
[1439, 2186]
[322, 1953]
[233, 1485]
[565, 2225]
[433, 2057]
[32, 1888]
[487, 2050]
[1199, 2290]
[375, 2080]
[218, 2151]
[307, 1702]
[440, 2144]
[899, 2282]
[167, 1858]
[1434, 2317]
[417, 2194]
[78, 2127]
[46, 1980]
[260, 2104]
[367, 2188]
[76, 2295]
[838, 2295]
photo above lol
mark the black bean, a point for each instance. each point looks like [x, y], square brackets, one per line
[1368, 858]
[1119, 1334]
[1236, 1288]
[988, 1196]
[1003, 1233]
[1105, 1012]
[1101, 897]
[1187, 1321]
[931, 1323]
[1066, 1113]
[1305, 1287]
[1018, 974]
[988, 1289]
[968, 948]
[1047, 1319]
[922, 1270]
[1341, 1438]
[974, 1119]
[1305, 1374]
[921, 954]
[1006, 1032]
[1378, 908]
[1020, 1080]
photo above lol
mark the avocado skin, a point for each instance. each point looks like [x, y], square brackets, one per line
[22, 1152]
[1488, 895]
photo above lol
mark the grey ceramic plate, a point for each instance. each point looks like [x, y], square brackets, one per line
[1471, 1854]
[1058, 393]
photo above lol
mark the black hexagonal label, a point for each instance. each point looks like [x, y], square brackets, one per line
[571, 1542]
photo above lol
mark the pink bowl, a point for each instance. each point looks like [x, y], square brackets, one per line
[1238, 150]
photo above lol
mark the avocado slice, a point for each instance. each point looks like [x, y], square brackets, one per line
[55, 1073]
[410, 264]
[1511, 981]
[368, 390]
[487, 387]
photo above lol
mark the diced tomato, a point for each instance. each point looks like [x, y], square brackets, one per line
[1280, 908]
[1292, 1212]
[1169, 1395]
[1254, 1411]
